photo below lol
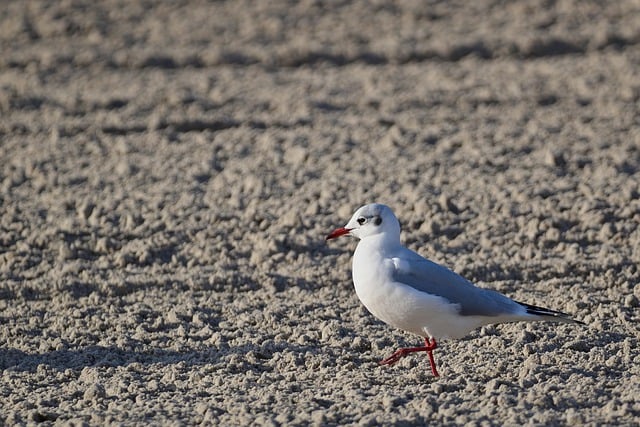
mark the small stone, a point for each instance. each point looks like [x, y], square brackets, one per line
[631, 301]
[527, 337]
[360, 344]
[198, 319]
[555, 159]
[318, 417]
[573, 417]
[172, 317]
[327, 332]
[104, 245]
[390, 401]
[607, 231]
[85, 209]
[304, 339]
[447, 205]
[94, 392]
[552, 235]
[65, 252]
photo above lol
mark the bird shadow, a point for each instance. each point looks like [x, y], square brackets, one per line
[96, 355]
[112, 356]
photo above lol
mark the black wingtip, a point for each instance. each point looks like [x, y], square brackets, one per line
[541, 311]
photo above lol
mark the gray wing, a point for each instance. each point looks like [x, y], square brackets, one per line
[427, 276]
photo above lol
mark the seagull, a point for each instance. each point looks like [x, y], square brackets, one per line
[409, 292]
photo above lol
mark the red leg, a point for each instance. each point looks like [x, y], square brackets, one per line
[429, 346]
[432, 346]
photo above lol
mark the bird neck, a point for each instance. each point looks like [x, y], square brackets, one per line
[383, 243]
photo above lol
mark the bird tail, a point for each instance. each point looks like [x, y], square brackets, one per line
[549, 314]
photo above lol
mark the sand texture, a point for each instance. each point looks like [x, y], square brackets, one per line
[169, 170]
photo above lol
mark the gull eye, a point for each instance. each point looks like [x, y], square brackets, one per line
[362, 220]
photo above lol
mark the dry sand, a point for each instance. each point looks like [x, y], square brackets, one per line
[169, 171]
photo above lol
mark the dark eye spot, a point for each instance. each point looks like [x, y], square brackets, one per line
[362, 220]
[377, 221]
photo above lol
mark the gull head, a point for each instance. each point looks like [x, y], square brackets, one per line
[370, 220]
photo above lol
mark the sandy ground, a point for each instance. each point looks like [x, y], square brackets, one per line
[169, 170]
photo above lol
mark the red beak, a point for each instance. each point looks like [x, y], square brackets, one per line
[338, 232]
